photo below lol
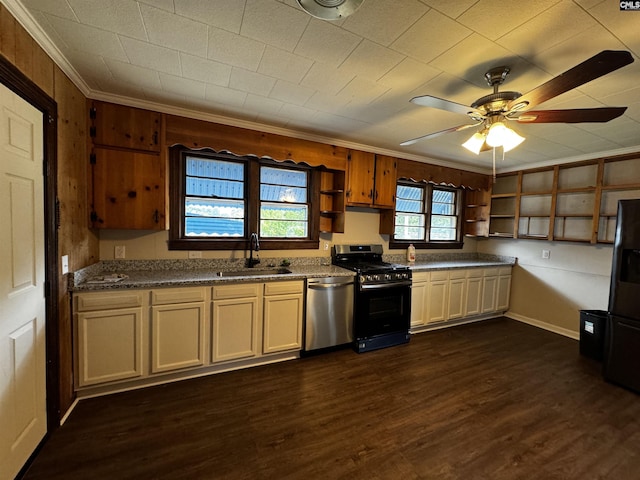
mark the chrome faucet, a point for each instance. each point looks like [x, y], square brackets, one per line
[254, 243]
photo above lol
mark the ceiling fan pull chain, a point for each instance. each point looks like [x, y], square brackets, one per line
[494, 164]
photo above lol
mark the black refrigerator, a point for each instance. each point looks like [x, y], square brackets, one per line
[622, 345]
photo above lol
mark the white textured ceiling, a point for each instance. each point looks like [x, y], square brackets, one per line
[270, 63]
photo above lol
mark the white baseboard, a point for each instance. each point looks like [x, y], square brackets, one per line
[66, 415]
[544, 325]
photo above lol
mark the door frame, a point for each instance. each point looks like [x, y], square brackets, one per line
[20, 84]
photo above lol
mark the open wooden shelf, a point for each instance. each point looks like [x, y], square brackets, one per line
[571, 196]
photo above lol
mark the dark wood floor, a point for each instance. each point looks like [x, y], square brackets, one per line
[492, 400]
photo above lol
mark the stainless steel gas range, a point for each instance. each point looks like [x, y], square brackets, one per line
[382, 297]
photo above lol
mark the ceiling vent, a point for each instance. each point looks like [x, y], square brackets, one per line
[330, 9]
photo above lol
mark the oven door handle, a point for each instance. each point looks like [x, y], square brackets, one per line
[384, 286]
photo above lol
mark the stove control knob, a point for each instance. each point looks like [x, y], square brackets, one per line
[362, 279]
[387, 276]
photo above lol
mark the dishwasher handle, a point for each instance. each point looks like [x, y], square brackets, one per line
[325, 286]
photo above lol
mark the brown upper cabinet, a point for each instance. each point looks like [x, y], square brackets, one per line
[128, 190]
[127, 171]
[126, 127]
[371, 180]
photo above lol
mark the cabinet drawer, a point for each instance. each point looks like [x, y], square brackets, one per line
[281, 288]
[241, 290]
[87, 302]
[490, 272]
[178, 295]
[457, 274]
[504, 271]
[475, 273]
[440, 275]
[420, 276]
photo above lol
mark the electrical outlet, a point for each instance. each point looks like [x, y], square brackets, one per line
[546, 254]
[326, 245]
[195, 254]
[65, 264]
[119, 251]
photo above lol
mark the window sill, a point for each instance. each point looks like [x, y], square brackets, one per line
[426, 245]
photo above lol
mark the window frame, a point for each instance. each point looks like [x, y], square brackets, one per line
[177, 192]
[429, 188]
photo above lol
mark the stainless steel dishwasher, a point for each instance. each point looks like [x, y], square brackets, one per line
[329, 319]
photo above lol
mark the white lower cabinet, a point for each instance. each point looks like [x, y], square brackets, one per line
[437, 296]
[283, 307]
[179, 320]
[443, 295]
[236, 314]
[109, 336]
[503, 289]
[473, 294]
[457, 284]
[419, 289]
[137, 336]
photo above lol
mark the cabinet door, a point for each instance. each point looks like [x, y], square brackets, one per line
[473, 296]
[489, 286]
[282, 323]
[126, 127]
[177, 336]
[504, 289]
[235, 329]
[437, 301]
[360, 177]
[128, 190]
[456, 298]
[385, 181]
[109, 345]
[418, 303]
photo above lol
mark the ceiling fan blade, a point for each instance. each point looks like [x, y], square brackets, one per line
[437, 134]
[604, 62]
[577, 115]
[442, 104]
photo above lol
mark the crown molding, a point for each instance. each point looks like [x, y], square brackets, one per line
[24, 18]
[263, 127]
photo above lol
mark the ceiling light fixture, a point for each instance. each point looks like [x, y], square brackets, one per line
[497, 134]
[330, 9]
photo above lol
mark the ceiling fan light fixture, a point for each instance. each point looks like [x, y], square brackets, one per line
[512, 140]
[475, 142]
[497, 134]
[330, 9]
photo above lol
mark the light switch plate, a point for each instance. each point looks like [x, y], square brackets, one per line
[65, 264]
[195, 254]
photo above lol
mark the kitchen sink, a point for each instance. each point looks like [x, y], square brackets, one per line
[253, 272]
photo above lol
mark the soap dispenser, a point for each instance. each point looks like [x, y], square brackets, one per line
[411, 253]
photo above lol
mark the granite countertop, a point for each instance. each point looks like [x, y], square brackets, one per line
[132, 274]
[451, 261]
[419, 266]
[118, 275]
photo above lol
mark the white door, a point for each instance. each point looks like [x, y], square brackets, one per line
[22, 296]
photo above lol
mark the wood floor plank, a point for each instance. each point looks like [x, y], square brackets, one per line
[493, 400]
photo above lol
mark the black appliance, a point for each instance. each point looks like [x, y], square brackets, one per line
[622, 345]
[382, 297]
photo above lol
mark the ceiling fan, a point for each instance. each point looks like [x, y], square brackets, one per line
[490, 112]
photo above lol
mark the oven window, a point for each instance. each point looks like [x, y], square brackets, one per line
[379, 313]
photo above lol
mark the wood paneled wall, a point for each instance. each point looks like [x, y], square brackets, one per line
[74, 237]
